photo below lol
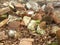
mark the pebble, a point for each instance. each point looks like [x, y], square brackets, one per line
[54, 29]
[5, 4]
[43, 7]
[26, 41]
[49, 42]
[26, 20]
[32, 5]
[13, 18]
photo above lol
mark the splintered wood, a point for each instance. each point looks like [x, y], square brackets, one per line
[3, 22]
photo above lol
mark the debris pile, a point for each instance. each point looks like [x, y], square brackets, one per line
[29, 23]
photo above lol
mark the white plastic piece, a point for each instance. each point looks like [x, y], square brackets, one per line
[13, 18]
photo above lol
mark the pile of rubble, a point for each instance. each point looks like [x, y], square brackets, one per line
[29, 23]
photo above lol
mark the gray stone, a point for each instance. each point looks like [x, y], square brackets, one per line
[11, 33]
[32, 5]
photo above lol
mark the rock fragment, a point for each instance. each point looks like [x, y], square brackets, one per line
[32, 25]
[26, 20]
[3, 36]
[37, 17]
[54, 29]
[14, 24]
[1, 44]
[58, 36]
[42, 25]
[32, 5]
[13, 18]
[40, 31]
[56, 17]
[4, 10]
[30, 12]
[26, 41]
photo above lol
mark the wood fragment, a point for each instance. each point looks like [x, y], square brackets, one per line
[3, 22]
[4, 10]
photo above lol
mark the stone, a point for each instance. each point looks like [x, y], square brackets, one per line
[30, 12]
[32, 25]
[4, 10]
[23, 1]
[56, 4]
[3, 36]
[14, 24]
[32, 5]
[40, 31]
[11, 33]
[42, 24]
[58, 36]
[37, 17]
[26, 20]
[49, 8]
[56, 17]
[19, 5]
[1, 44]
[13, 18]
[26, 41]
[43, 7]
[54, 29]
[6, 3]
[22, 23]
